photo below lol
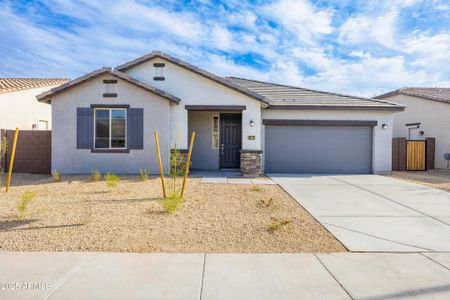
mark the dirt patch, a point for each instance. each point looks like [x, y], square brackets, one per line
[436, 178]
[78, 215]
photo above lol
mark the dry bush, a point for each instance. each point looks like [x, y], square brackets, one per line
[25, 199]
[277, 224]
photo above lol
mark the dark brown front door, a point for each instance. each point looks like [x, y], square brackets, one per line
[230, 140]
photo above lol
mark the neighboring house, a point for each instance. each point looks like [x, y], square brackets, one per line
[18, 105]
[427, 114]
[105, 121]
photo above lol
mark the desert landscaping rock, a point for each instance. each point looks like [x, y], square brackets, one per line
[79, 215]
[437, 178]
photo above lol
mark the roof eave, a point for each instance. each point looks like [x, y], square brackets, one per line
[337, 107]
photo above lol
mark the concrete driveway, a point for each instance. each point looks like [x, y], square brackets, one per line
[374, 213]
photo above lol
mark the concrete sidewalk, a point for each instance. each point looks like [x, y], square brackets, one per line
[65, 275]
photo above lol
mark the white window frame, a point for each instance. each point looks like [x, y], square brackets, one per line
[110, 127]
[218, 131]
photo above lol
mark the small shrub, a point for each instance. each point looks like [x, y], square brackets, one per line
[56, 176]
[277, 224]
[112, 180]
[95, 175]
[143, 175]
[176, 167]
[25, 199]
[171, 203]
[255, 189]
[266, 203]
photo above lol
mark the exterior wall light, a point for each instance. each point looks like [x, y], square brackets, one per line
[384, 126]
[252, 123]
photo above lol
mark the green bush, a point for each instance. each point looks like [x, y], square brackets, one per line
[143, 175]
[95, 175]
[111, 179]
[171, 203]
[56, 176]
[25, 199]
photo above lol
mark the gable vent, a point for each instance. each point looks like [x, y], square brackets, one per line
[110, 88]
[159, 71]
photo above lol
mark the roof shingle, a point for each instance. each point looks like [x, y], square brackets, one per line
[8, 85]
[289, 96]
[433, 93]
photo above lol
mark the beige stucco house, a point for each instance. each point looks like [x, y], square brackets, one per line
[427, 114]
[105, 120]
[18, 105]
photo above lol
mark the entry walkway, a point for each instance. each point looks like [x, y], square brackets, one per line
[228, 177]
[77, 276]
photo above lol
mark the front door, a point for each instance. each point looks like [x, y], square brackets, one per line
[230, 140]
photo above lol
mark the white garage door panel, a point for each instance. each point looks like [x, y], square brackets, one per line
[318, 149]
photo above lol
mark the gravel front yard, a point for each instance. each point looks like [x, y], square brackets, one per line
[437, 178]
[79, 215]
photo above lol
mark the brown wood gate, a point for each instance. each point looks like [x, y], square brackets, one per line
[33, 151]
[413, 155]
[416, 155]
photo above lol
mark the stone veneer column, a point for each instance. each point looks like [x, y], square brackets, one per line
[251, 163]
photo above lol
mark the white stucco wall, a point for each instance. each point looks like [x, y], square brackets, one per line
[194, 89]
[68, 159]
[434, 118]
[21, 109]
[382, 139]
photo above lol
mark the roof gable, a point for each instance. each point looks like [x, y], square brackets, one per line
[434, 93]
[291, 97]
[221, 80]
[46, 96]
[8, 85]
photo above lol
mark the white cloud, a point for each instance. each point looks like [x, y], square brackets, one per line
[430, 51]
[367, 29]
[301, 18]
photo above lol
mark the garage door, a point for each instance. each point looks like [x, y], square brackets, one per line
[318, 149]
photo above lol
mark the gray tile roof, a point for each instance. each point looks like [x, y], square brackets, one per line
[8, 85]
[204, 73]
[433, 93]
[284, 96]
[46, 96]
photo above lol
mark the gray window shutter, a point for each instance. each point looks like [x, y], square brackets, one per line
[135, 128]
[85, 128]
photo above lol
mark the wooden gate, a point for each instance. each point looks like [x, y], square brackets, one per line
[416, 155]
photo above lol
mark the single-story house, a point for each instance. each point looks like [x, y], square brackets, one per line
[18, 105]
[427, 114]
[105, 121]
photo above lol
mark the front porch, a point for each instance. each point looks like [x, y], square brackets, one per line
[219, 140]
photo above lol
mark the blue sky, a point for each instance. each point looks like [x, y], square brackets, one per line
[356, 47]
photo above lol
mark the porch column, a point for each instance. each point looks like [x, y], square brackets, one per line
[251, 152]
[179, 127]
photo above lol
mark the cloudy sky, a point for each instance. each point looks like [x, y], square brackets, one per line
[361, 47]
